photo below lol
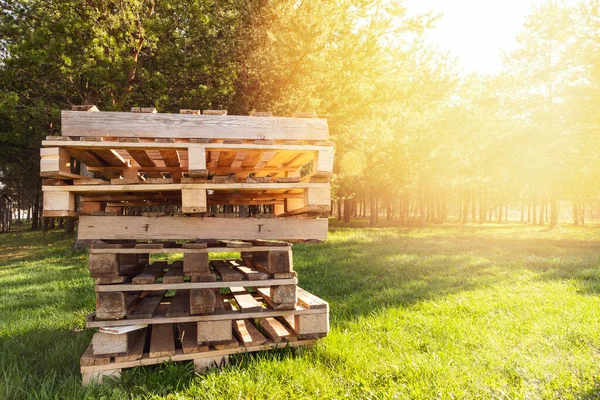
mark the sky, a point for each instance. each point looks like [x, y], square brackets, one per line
[476, 31]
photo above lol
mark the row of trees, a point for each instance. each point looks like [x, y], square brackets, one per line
[413, 139]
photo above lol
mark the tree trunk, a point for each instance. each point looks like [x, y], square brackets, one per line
[481, 208]
[582, 213]
[541, 219]
[533, 213]
[347, 210]
[372, 210]
[553, 213]
[36, 211]
[465, 212]
[575, 212]
[522, 210]
[339, 209]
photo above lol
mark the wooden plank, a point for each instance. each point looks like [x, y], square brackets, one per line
[216, 316]
[181, 356]
[309, 300]
[174, 274]
[135, 348]
[120, 124]
[178, 249]
[162, 343]
[188, 337]
[146, 228]
[247, 334]
[150, 274]
[249, 272]
[145, 307]
[180, 305]
[226, 272]
[142, 158]
[89, 359]
[75, 145]
[276, 331]
[245, 300]
[172, 187]
[200, 284]
[170, 157]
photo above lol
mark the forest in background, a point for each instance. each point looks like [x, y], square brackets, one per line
[416, 141]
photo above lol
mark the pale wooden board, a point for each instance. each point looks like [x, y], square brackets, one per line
[181, 356]
[249, 272]
[276, 331]
[226, 272]
[145, 307]
[162, 343]
[126, 287]
[245, 300]
[309, 300]
[121, 124]
[216, 316]
[171, 187]
[124, 227]
[247, 334]
[182, 145]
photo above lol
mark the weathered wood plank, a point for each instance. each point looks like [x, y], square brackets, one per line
[188, 336]
[119, 124]
[135, 350]
[226, 272]
[175, 273]
[146, 306]
[124, 227]
[162, 343]
[180, 305]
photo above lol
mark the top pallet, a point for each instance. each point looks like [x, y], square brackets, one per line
[191, 126]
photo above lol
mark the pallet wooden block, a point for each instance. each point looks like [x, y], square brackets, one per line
[109, 344]
[283, 294]
[113, 305]
[214, 332]
[202, 301]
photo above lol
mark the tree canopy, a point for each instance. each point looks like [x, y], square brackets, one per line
[414, 139]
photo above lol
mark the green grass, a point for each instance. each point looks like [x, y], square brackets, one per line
[495, 312]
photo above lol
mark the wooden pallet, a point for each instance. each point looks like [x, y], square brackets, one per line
[179, 342]
[153, 309]
[153, 159]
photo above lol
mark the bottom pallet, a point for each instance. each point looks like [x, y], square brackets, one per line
[202, 360]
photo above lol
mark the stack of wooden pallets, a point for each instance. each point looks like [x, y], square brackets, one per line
[146, 185]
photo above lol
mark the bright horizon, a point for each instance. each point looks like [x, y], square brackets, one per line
[475, 31]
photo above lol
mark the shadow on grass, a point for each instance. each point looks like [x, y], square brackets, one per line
[391, 268]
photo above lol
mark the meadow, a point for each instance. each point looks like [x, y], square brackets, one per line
[453, 311]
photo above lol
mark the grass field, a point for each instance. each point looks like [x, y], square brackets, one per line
[496, 312]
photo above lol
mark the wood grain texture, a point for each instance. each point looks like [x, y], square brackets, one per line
[126, 227]
[119, 124]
